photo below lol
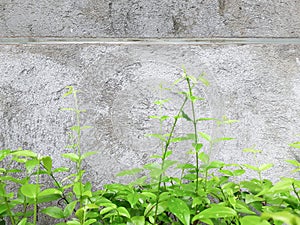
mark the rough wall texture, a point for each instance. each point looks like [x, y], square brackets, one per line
[257, 84]
[152, 18]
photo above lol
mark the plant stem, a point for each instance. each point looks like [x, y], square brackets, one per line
[36, 193]
[165, 154]
[78, 164]
[9, 211]
[296, 193]
[195, 132]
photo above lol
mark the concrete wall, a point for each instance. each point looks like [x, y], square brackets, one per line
[152, 18]
[256, 81]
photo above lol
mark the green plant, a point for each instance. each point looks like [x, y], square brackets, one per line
[205, 192]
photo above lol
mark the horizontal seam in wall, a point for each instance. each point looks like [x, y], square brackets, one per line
[144, 41]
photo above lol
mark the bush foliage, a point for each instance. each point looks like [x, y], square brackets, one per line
[206, 192]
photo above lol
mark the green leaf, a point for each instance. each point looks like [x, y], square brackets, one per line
[205, 136]
[123, 212]
[69, 92]
[265, 166]
[88, 154]
[78, 189]
[54, 212]
[4, 153]
[137, 220]
[192, 78]
[251, 167]
[204, 157]
[150, 208]
[22, 221]
[72, 156]
[185, 116]
[30, 190]
[285, 184]
[293, 162]
[161, 101]
[25, 153]
[68, 210]
[61, 169]
[283, 216]
[215, 212]
[107, 209]
[253, 220]
[197, 146]
[168, 163]
[133, 198]
[90, 221]
[73, 222]
[205, 119]
[129, 172]
[31, 164]
[295, 145]
[180, 209]
[203, 80]
[49, 194]
[222, 139]
[159, 136]
[47, 163]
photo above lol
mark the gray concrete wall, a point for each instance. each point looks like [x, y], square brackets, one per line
[152, 18]
[256, 82]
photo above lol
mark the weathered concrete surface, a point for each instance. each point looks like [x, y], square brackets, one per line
[152, 18]
[255, 84]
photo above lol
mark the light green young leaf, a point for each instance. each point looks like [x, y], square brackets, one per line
[253, 220]
[22, 221]
[68, 210]
[215, 212]
[73, 222]
[251, 167]
[204, 157]
[30, 190]
[159, 136]
[129, 172]
[293, 162]
[123, 212]
[54, 212]
[4, 153]
[205, 136]
[88, 154]
[197, 146]
[25, 153]
[205, 119]
[137, 220]
[295, 145]
[133, 198]
[150, 208]
[284, 216]
[265, 166]
[161, 101]
[72, 156]
[90, 221]
[69, 92]
[50, 191]
[31, 164]
[285, 184]
[47, 163]
[203, 80]
[180, 209]
[106, 210]
[222, 139]
[192, 78]
[78, 189]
